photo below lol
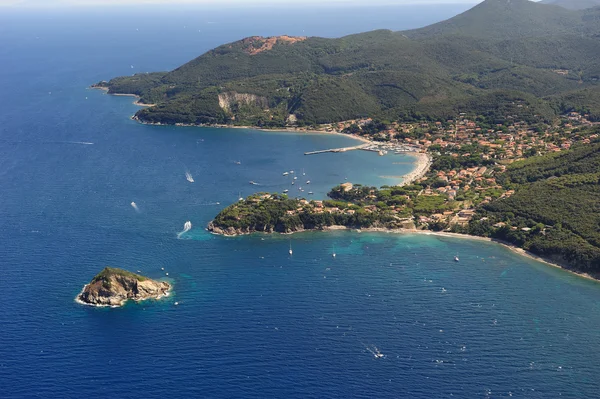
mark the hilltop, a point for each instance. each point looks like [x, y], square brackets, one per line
[497, 53]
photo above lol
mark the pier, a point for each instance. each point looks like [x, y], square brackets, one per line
[380, 148]
[357, 147]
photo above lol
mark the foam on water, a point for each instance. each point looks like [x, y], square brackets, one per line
[187, 226]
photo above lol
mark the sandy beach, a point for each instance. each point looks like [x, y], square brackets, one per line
[421, 168]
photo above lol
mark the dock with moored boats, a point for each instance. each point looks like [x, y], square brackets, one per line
[344, 149]
[381, 149]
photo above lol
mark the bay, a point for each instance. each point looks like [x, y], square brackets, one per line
[251, 321]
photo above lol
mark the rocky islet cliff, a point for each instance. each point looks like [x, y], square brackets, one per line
[114, 287]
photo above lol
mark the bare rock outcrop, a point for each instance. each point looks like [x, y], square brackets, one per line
[113, 287]
[228, 100]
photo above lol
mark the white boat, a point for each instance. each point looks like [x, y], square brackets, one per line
[308, 182]
[188, 177]
[293, 183]
[456, 258]
[286, 173]
[291, 172]
[334, 254]
[303, 174]
[290, 251]
[254, 183]
[310, 193]
[286, 191]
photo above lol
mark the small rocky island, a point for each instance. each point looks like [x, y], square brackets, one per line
[113, 287]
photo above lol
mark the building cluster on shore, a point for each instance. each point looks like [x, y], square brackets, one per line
[460, 159]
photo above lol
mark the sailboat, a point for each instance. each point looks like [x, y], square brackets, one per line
[291, 252]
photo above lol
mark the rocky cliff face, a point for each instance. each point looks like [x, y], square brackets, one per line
[230, 100]
[114, 287]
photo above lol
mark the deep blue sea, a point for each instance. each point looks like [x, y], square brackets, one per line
[251, 321]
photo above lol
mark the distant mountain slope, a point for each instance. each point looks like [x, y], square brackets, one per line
[499, 51]
[573, 4]
[505, 19]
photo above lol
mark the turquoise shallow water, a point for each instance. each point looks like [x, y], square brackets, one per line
[251, 321]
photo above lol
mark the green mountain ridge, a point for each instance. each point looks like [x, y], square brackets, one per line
[499, 52]
[573, 4]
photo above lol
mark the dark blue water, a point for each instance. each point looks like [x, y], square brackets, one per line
[251, 321]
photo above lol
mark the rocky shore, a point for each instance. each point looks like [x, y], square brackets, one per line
[114, 287]
[233, 232]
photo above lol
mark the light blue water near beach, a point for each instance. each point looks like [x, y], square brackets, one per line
[251, 321]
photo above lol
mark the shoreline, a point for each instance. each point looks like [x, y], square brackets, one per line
[422, 164]
[511, 247]
[260, 129]
[136, 102]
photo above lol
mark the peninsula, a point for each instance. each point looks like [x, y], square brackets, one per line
[114, 287]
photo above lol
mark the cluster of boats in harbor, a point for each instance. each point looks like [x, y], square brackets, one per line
[294, 180]
[385, 148]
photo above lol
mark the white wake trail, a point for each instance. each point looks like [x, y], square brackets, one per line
[187, 226]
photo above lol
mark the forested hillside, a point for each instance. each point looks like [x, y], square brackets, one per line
[555, 211]
[511, 51]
